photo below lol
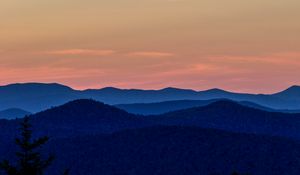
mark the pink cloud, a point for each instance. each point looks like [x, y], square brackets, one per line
[90, 52]
[243, 73]
[96, 52]
[151, 54]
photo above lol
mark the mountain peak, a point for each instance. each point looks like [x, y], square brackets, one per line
[85, 109]
[170, 89]
[215, 90]
[177, 90]
[83, 102]
[34, 85]
[224, 103]
[111, 89]
[292, 92]
[294, 87]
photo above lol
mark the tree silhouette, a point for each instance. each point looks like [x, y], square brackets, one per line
[30, 161]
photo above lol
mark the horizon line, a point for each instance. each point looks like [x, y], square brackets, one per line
[158, 89]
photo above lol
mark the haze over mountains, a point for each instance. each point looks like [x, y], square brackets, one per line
[169, 106]
[85, 116]
[167, 131]
[221, 137]
[35, 97]
[13, 113]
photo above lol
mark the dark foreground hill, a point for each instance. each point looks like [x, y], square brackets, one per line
[176, 150]
[172, 150]
[93, 138]
[76, 118]
[86, 117]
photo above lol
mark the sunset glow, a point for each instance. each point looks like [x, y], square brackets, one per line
[244, 46]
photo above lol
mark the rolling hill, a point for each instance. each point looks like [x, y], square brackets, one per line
[91, 138]
[13, 113]
[174, 150]
[82, 117]
[178, 150]
[162, 107]
[169, 106]
[75, 118]
[231, 116]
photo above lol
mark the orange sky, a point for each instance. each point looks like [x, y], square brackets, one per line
[245, 46]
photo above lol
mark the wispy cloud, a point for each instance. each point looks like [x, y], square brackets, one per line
[96, 52]
[151, 54]
[89, 52]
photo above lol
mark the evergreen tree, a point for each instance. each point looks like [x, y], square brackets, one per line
[30, 161]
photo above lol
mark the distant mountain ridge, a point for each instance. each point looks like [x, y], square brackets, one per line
[36, 97]
[169, 106]
[231, 116]
[13, 113]
[290, 93]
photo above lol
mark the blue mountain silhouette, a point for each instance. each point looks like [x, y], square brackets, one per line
[169, 106]
[91, 138]
[35, 97]
[13, 113]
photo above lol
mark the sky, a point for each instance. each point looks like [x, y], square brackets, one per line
[243, 46]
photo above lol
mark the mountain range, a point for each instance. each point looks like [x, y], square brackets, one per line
[169, 106]
[224, 136]
[35, 97]
[86, 116]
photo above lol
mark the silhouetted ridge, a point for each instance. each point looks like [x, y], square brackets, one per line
[225, 104]
[291, 93]
[36, 97]
[169, 106]
[107, 89]
[13, 113]
[85, 109]
[233, 105]
[173, 89]
[35, 86]
[215, 90]
[294, 88]
[231, 116]
[162, 107]
[220, 105]
[81, 117]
